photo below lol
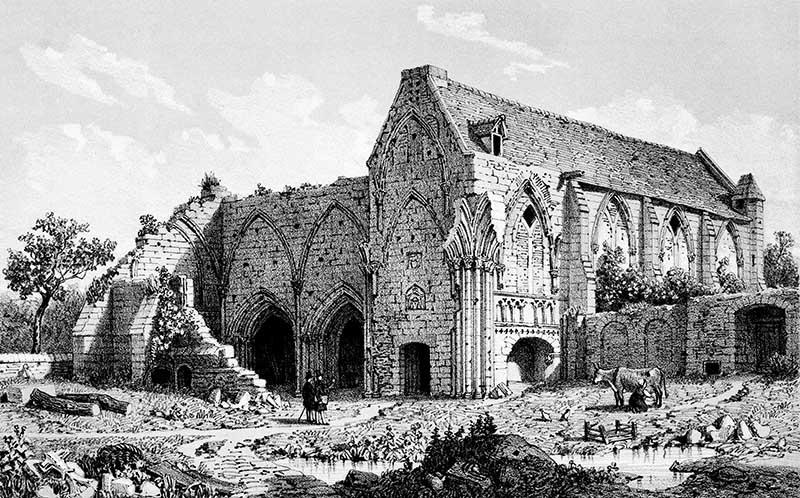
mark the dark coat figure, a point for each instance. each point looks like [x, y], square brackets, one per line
[637, 402]
[309, 393]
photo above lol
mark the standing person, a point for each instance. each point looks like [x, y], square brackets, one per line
[322, 398]
[309, 398]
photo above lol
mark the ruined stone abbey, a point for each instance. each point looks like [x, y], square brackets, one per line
[465, 258]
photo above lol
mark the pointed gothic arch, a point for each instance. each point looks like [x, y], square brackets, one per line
[259, 214]
[676, 242]
[412, 196]
[613, 223]
[307, 246]
[527, 254]
[728, 235]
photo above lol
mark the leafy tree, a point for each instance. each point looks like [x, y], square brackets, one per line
[780, 267]
[53, 254]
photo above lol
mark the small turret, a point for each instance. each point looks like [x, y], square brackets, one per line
[748, 200]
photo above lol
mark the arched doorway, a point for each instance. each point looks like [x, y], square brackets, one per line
[351, 354]
[529, 359]
[272, 349]
[415, 368]
[760, 333]
[344, 348]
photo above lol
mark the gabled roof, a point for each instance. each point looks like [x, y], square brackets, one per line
[608, 159]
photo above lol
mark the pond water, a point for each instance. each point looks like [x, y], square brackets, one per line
[334, 471]
[653, 464]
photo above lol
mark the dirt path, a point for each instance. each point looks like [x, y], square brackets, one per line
[364, 415]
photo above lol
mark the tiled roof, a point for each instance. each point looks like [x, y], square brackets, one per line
[608, 159]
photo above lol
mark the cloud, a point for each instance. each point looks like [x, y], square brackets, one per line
[108, 178]
[294, 144]
[54, 67]
[470, 26]
[739, 142]
[68, 69]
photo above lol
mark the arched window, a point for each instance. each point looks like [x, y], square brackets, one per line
[612, 231]
[674, 246]
[529, 269]
[726, 250]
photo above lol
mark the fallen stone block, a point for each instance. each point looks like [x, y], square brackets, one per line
[468, 473]
[743, 431]
[215, 396]
[761, 430]
[693, 436]
[724, 421]
[21, 393]
[360, 479]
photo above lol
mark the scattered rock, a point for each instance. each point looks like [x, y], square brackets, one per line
[762, 431]
[46, 492]
[149, 489]
[743, 431]
[225, 405]
[122, 486]
[243, 400]
[781, 443]
[724, 421]
[693, 436]
[360, 479]
[725, 433]
[435, 481]
[469, 473]
[545, 417]
[516, 447]
[712, 433]
[215, 396]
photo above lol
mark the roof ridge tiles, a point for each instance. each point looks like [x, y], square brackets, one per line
[567, 119]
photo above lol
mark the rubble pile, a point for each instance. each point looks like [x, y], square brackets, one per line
[726, 429]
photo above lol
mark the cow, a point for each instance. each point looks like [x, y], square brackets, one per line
[623, 379]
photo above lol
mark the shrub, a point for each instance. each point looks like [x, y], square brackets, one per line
[728, 282]
[209, 181]
[100, 284]
[618, 287]
[149, 225]
[782, 367]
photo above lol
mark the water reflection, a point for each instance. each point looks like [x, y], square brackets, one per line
[652, 464]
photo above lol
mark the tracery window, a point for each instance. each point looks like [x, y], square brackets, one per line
[675, 248]
[612, 231]
[529, 271]
[726, 250]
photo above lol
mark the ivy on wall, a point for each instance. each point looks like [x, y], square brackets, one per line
[618, 287]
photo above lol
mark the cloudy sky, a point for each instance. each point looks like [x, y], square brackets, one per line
[109, 110]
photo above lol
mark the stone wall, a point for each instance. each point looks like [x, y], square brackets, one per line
[721, 333]
[653, 336]
[717, 326]
[38, 366]
[297, 254]
[111, 335]
[416, 172]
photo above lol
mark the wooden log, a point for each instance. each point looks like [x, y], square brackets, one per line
[105, 401]
[44, 401]
[21, 393]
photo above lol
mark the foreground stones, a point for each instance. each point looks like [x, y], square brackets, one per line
[725, 429]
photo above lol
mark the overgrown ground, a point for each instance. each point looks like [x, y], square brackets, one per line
[165, 425]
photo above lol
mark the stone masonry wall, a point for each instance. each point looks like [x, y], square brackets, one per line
[39, 366]
[713, 330]
[297, 253]
[653, 336]
[416, 173]
[111, 336]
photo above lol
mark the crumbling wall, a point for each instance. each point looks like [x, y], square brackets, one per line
[646, 336]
